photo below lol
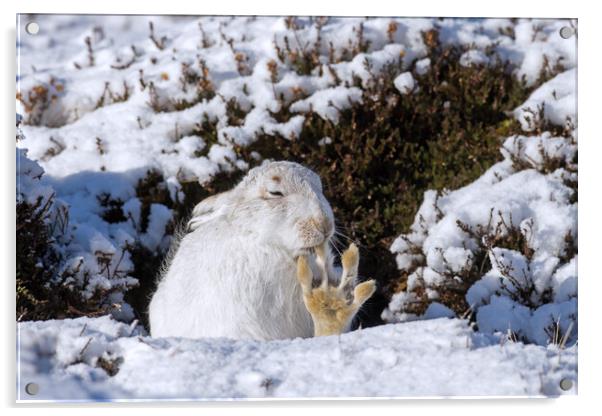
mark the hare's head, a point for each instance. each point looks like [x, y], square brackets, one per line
[279, 203]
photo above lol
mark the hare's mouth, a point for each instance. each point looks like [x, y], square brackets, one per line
[318, 250]
[305, 251]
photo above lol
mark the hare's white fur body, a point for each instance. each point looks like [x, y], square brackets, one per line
[234, 273]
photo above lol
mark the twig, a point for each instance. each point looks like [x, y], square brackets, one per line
[81, 353]
[159, 43]
[566, 336]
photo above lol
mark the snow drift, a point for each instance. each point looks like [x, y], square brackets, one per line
[102, 359]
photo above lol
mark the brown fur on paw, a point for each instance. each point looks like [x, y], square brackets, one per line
[330, 306]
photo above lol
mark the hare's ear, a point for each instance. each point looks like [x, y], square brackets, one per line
[208, 209]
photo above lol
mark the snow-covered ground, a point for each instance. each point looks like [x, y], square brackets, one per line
[441, 357]
[97, 118]
[241, 62]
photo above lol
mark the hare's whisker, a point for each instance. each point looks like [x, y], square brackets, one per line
[334, 246]
[351, 240]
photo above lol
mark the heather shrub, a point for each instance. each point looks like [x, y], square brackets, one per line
[56, 278]
[502, 251]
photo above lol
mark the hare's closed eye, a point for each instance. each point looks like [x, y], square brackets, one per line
[275, 193]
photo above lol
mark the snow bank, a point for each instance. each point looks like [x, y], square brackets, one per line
[101, 359]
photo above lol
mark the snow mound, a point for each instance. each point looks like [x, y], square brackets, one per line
[101, 359]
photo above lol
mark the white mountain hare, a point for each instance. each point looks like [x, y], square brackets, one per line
[245, 268]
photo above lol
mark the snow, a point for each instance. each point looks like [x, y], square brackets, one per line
[329, 102]
[539, 41]
[325, 141]
[404, 83]
[530, 149]
[526, 196]
[258, 120]
[473, 57]
[558, 97]
[29, 188]
[439, 357]
[160, 216]
[423, 66]
[437, 310]
[529, 44]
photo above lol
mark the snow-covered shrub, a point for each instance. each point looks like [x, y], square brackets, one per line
[503, 248]
[200, 100]
[63, 268]
[37, 261]
[303, 47]
[40, 103]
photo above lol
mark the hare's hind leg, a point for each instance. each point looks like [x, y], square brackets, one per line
[333, 307]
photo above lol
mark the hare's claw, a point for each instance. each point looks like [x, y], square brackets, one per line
[363, 292]
[304, 274]
[350, 260]
[332, 307]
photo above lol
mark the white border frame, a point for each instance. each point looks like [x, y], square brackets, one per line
[589, 222]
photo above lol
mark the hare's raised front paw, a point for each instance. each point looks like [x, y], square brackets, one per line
[333, 307]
